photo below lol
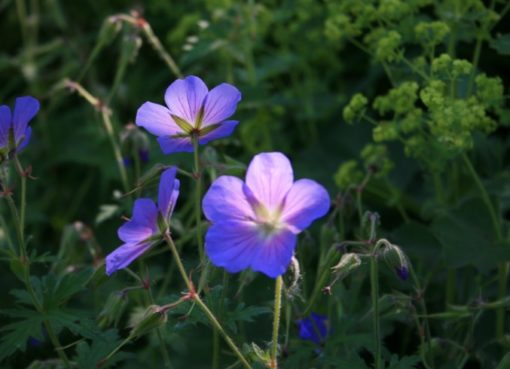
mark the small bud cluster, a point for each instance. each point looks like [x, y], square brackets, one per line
[440, 102]
[374, 160]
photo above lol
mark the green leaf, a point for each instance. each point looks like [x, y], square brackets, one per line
[89, 355]
[243, 313]
[417, 240]
[505, 362]
[406, 362]
[502, 44]
[16, 335]
[58, 290]
[467, 237]
[18, 268]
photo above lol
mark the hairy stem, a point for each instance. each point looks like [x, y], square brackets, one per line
[105, 114]
[19, 225]
[374, 281]
[276, 321]
[196, 298]
[496, 222]
[198, 198]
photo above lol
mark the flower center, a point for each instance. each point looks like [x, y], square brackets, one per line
[268, 220]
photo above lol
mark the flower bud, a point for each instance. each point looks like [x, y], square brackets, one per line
[153, 317]
[110, 28]
[113, 309]
[347, 264]
[397, 261]
[134, 145]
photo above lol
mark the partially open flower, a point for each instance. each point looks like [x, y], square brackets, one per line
[14, 129]
[143, 230]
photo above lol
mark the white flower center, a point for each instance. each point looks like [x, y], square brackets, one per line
[268, 220]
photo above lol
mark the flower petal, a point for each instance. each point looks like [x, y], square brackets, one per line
[5, 125]
[170, 145]
[124, 255]
[220, 104]
[184, 97]
[232, 244]
[275, 253]
[143, 224]
[306, 201]
[270, 177]
[157, 120]
[26, 139]
[168, 192]
[25, 109]
[223, 130]
[225, 199]
[313, 328]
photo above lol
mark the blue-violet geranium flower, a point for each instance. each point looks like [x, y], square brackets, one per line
[192, 111]
[314, 328]
[142, 230]
[255, 223]
[14, 129]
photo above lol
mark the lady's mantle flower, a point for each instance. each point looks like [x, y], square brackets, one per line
[142, 231]
[314, 328]
[14, 130]
[255, 223]
[192, 111]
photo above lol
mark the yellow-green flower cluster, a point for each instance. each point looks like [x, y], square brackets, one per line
[348, 174]
[431, 34]
[355, 109]
[374, 159]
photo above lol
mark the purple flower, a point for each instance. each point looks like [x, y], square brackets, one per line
[402, 272]
[14, 130]
[142, 231]
[255, 223]
[192, 111]
[314, 328]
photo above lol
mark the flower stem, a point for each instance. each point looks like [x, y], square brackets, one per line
[276, 322]
[105, 114]
[216, 350]
[374, 281]
[485, 197]
[19, 225]
[198, 197]
[156, 44]
[503, 268]
[196, 298]
[424, 326]
[23, 197]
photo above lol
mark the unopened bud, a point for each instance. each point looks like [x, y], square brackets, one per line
[397, 261]
[110, 28]
[131, 44]
[259, 355]
[134, 145]
[153, 317]
[347, 264]
[113, 309]
[293, 288]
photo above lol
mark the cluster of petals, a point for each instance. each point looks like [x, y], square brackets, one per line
[142, 231]
[14, 129]
[254, 224]
[192, 113]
